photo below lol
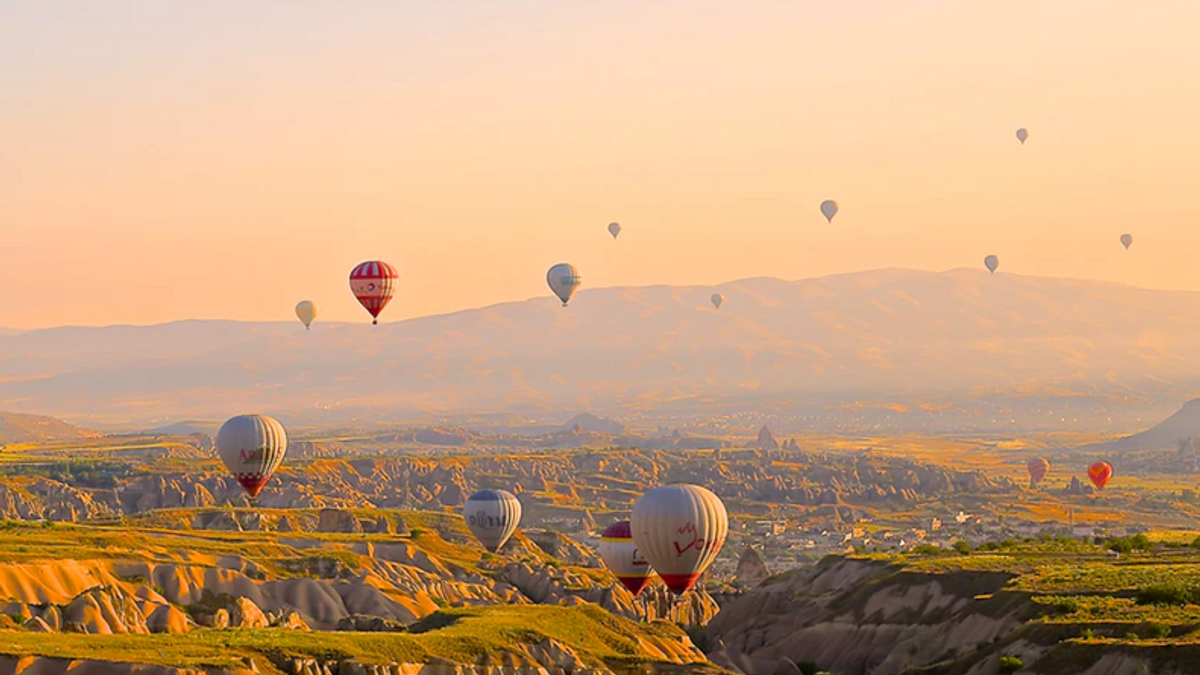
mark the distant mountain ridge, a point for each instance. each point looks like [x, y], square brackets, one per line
[897, 331]
[1182, 426]
[19, 428]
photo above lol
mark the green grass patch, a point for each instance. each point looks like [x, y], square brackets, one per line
[459, 635]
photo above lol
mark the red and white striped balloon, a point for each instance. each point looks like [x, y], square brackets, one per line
[374, 284]
[621, 555]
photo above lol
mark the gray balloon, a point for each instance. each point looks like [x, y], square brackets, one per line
[829, 209]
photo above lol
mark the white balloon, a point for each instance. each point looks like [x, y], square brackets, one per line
[306, 311]
[622, 556]
[829, 209]
[252, 447]
[492, 516]
[991, 262]
[680, 529]
[1127, 241]
[717, 299]
[1022, 134]
[563, 279]
[614, 229]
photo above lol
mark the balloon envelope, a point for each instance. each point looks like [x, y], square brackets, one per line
[492, 516]
[622, 557]
[829, 209]
[1100, 473]
[252, 447]
[614, 229]
[1022, 134]
[306, 311]
[1037, 467]
[1127, 241]
[680, 529]
[374, 284]
[717, 299]
[991, 262]
[563, 279]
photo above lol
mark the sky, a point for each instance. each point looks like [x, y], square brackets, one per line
[164, 161]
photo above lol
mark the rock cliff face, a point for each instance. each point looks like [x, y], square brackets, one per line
[852, 616]
[326, 585]
[766, 439]
[592, 480]
[861, 617]
[751, 570]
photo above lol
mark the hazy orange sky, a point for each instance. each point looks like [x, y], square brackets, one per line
[161, 161]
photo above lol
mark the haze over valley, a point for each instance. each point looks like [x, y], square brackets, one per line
[893, 350]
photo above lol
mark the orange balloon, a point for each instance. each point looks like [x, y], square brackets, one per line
[1100, 473]
[1038, 467]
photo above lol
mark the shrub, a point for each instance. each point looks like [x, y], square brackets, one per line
[962, 547]
[1067, 605]
[1005, 545]
[1087, 634]
[1138, 542]
[1010, 664]
[1155, 630]
[1168, 593]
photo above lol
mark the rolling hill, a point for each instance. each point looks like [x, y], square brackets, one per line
[1182, 426]
[893, 333]
[18, 428]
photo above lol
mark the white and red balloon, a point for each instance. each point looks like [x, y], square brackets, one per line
[680, 529]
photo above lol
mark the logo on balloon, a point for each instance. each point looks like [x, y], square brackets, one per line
[482, 519]
[638, 560]
[696, 544]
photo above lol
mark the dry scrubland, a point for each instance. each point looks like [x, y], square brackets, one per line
[1052, 606]
[140, 550]
[151, 590]
[1057, 605]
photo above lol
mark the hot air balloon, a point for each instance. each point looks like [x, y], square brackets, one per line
[374, 284]
[717, 299]
[614, 229]
[621, 556]
[679, 529]
[1022, 134]
[1127, 241]
[306, 311]
[1038, 467]
[1100, 473]
[252, 446]
[829, 209]
[991, 262]
[492, 516]
[563, 279]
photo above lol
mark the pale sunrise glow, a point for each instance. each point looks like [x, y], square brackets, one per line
[161, 161]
